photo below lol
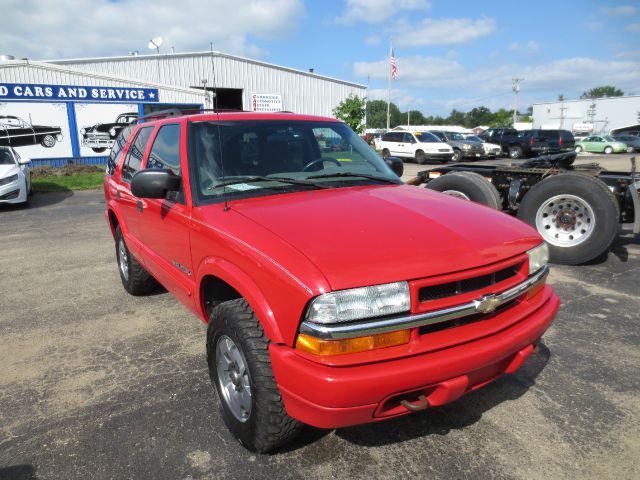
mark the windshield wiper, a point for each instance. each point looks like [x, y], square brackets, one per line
[260, 178]
[357, 175]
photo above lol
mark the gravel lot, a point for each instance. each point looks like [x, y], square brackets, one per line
[98, 384]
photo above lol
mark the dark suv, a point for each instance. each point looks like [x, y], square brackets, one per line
[519, 144]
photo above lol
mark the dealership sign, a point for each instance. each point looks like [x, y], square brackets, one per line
[75, 93]
[266, 102]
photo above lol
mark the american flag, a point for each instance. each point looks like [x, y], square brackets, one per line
[394, 68]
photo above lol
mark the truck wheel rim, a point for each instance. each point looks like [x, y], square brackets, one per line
[233, 378]
[457, 194]
[565, 220]
[124, 259]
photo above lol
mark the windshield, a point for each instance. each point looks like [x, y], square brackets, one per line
[242, 159]
[426, 137]
[473, 138]
[5, 157]
[455, 136]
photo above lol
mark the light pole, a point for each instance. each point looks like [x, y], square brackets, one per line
[516, 89]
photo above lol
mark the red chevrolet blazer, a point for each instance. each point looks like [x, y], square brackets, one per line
[334, 294]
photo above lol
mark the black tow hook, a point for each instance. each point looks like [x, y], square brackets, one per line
[423, 405]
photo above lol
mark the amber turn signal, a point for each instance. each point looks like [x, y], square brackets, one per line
[321, 347]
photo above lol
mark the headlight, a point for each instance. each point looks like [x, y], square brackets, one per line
[466, 146]
[112, 132]
[538, 258]
[8, 180]
[358, 303]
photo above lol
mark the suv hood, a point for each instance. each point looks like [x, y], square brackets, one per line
[370, 235]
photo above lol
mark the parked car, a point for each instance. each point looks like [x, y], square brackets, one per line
[509, 140]
[462, 148]
[600, 144]
[101, 136]
[421, 146]
[15, 177]
[491, 150]
[16, 132]
[631, 141]
[543, 142]
[291, 255]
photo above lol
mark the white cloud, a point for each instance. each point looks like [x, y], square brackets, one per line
[377, 11]
[620, 10]
[36, 29]
[424, 71]
[634, 27]
[529, 47]
[594, 26]
[401, 97]
[445, 31]
[373, 40]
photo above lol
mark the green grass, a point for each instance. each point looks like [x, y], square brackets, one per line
[63, 183]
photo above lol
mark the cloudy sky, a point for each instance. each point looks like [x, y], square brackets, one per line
[449, 54]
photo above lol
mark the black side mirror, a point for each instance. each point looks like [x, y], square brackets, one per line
[396, 165]
[154, 183]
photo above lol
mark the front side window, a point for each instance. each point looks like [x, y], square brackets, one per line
[136, 151]
[239, 159]
[427, 137]
[5, 157]
[165, 152]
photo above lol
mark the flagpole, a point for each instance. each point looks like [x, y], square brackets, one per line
[389, 87]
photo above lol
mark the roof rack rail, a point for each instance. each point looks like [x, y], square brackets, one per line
[178, 112]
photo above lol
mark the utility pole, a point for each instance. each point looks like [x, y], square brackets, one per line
[562, 109]
[408, 118]
[516, 89]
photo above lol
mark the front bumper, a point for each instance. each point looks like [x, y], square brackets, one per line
[439, 155]
[473, 152]
[14, 192]
[97, 142]
[328, 396]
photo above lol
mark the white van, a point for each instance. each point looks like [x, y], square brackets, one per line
[421, 146]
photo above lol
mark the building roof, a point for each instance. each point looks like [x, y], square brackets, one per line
[586, 100]
[169, 56]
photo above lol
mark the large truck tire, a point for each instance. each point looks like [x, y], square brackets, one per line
[468, 186]
[576, 214]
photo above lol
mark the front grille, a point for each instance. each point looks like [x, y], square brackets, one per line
[460, 322]
[445, 150]
[467, 285]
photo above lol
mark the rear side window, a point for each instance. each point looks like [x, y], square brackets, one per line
[134, 157]
[392, 137]
[165, 152]
[116, 149]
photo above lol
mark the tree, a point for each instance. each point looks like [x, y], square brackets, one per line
[351, 111]
[501, 118]
[478, 116]
[377, 115]
[603, 91]
[456, 117]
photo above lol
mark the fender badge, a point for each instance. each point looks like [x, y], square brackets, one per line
[487, 304]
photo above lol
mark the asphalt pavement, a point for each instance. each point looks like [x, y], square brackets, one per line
[98, 384]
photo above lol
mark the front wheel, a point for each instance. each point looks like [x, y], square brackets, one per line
[457, 156]
[48, 141]
[515, 152]
[240, 370]
[630, 149]
[577, 215]
[608, 150]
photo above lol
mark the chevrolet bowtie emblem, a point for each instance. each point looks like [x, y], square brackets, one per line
[487, 304]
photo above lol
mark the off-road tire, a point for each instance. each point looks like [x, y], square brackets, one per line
[268, 425]
[138, 281]
[470, 184]
[515, 152]
[385, 153]
[596, 194]
[457, 156]
[420, 157]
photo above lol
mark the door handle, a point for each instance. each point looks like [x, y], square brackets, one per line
[140, 206]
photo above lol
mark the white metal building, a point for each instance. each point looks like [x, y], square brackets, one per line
[599, 115]
[238, 81]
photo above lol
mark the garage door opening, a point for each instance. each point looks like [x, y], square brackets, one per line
[226, 98]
